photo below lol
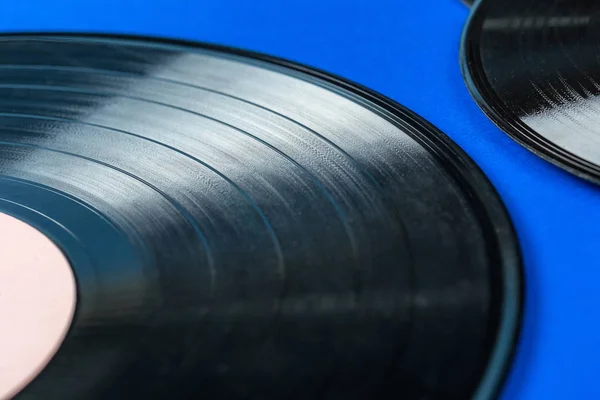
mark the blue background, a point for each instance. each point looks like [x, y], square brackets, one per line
[408, 50]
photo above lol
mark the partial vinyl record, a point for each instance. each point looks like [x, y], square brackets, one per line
[533, 67]
[242, 227]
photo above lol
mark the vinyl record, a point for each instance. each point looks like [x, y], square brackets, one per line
[242, 227]
[533, 67]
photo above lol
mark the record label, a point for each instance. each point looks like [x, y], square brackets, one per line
[37, 301]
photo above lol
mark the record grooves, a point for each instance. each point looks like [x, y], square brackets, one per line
[243, 227]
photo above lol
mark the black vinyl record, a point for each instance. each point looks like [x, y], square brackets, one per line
[533, 67]
[242, 227]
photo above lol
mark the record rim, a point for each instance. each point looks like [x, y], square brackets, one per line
[491, 212]
[495, 109]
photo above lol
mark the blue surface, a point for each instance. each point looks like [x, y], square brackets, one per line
[408, 50]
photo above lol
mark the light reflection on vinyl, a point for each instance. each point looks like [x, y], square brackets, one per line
[242, 227]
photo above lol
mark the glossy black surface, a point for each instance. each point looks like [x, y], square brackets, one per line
[533, 66]
[245, 228]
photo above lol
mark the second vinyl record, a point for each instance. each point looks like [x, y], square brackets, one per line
[533, 68]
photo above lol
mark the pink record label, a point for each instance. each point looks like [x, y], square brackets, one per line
[37, 302]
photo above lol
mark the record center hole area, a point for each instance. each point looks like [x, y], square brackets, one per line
[37, 303]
